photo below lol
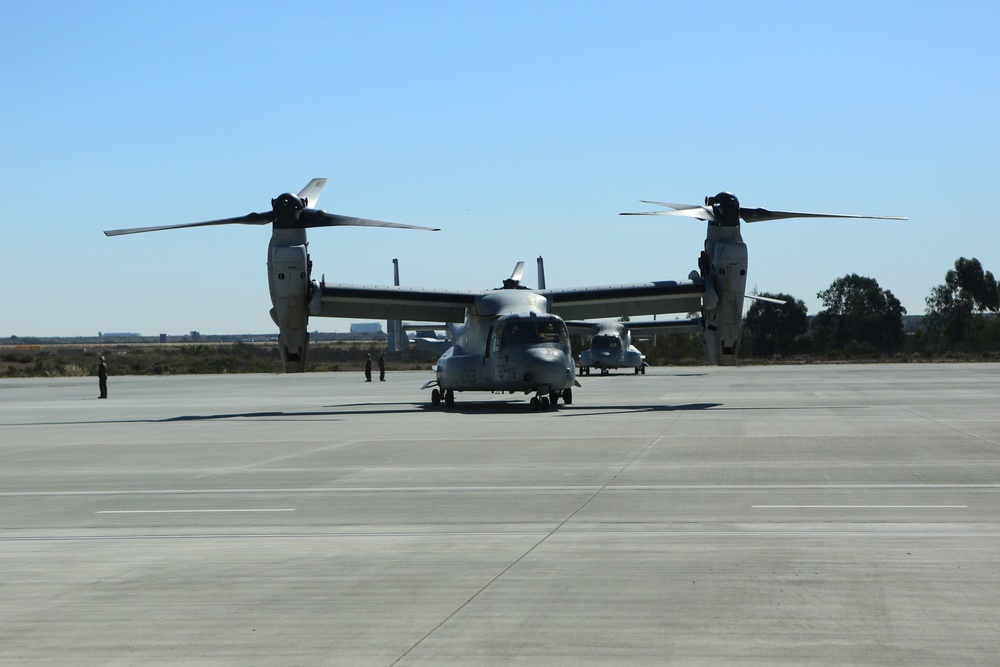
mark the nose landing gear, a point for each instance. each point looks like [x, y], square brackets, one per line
[448, 395]
[540, 403]
[543, 402]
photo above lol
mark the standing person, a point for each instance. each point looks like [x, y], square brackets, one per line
[368, 369]
[381, 367]
[102, 378]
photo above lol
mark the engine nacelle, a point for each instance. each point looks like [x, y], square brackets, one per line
[723, 322]
[288, 277]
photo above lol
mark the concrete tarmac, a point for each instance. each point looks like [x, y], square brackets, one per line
[796, 515]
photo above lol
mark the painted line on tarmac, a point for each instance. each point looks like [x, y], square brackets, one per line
[204, 511]
[486, 489]
[863, 507]
[559, 536]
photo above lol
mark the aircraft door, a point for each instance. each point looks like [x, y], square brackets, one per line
[494, 360]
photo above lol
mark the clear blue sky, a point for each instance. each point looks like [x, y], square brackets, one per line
[519, 128]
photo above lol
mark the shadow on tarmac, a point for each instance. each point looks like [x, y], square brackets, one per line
[495, 407]
[576, 410]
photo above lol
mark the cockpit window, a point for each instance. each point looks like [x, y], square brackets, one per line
[519, 333]
[606, 342]
[533, 331]
[549, 332]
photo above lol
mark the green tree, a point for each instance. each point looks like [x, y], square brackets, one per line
[859, 317]
[955, 317]
[770, 329]
[672, 349]
[975, 283]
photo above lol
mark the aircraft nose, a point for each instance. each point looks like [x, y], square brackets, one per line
[547, 365]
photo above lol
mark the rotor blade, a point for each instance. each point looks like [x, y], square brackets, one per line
[668, 204]
[762, 215]
[312, 191]
[699, 212]
[250, 219]
[765, 299]
[310, 218]
[518, 272]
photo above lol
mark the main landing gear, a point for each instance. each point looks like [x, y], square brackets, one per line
[542, 401]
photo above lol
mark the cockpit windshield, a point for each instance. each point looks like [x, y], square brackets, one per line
[606, 342]
[525, 331]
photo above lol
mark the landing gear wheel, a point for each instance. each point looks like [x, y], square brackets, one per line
[435, 398]
[544, 402]
[535, 403]
[449, 398]
[554, 397]
[636, 370]
[567, 396]
[644, 370]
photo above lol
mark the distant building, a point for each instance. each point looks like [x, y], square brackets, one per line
[366, 328]
[101, 334]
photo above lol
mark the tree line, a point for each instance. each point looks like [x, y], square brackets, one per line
[861, 319]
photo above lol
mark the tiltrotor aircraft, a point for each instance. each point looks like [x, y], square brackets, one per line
[611, 342]
[510, 339]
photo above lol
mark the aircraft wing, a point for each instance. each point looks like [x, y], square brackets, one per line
[643, 327]
[392, 303]
[580, 327]
[666, 296]
[424, 326]
[651, 327]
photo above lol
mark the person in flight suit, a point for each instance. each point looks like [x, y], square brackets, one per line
[368, 369]
[102, 378]
[381, 367]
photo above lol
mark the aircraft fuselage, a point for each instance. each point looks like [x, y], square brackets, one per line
[509, 343]
[610, 349]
